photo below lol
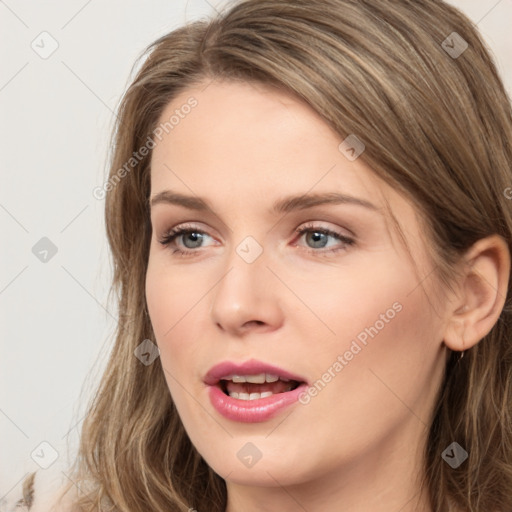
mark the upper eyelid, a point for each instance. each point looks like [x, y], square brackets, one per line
[190, 226]
[181, 229]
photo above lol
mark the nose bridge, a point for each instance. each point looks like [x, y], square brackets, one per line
[245, 293]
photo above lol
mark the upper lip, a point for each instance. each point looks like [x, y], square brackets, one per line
[252, 367]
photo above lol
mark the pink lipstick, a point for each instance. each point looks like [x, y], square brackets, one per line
[253, 391]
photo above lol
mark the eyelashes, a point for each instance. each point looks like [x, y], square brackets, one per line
[170, 238]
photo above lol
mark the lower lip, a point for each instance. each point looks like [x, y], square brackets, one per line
[253, 411]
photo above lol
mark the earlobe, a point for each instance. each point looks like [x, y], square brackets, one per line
[484, 287]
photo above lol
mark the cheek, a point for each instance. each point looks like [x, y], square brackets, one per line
[170, 293]
[379, 371]
[376, 318]
[175, 301]
[347, 302]
[171, 312]
[161, 303]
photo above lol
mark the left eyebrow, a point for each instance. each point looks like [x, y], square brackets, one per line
[284, 205]
[305, 201]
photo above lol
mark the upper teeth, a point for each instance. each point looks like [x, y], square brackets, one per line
[256, 379]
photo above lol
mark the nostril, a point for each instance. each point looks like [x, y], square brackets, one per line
[254, 322]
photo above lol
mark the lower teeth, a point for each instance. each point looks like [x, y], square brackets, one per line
[255, 396]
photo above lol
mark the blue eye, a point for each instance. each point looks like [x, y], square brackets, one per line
[188, 233]
[183, 232]
[321, 235]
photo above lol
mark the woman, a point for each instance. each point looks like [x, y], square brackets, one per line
[311, 232]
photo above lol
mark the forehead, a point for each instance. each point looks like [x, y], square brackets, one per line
[245, 145]
[255, 135]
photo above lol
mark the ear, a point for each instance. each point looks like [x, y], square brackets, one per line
[483, 290]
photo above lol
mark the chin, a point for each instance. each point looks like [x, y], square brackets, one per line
[277, 468]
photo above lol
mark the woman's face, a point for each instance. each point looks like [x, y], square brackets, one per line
[338, 308]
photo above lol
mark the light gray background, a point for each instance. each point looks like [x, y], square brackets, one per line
[57, 113]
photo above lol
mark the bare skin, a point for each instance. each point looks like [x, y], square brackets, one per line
[357, 444]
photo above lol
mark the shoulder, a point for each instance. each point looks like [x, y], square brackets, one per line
[40, 491]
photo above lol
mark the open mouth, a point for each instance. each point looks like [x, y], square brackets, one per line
[252, 391]
[254, 387]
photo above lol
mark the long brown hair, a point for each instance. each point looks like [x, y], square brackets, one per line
[437, 126]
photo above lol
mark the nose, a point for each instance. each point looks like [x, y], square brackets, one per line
[246, 297]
